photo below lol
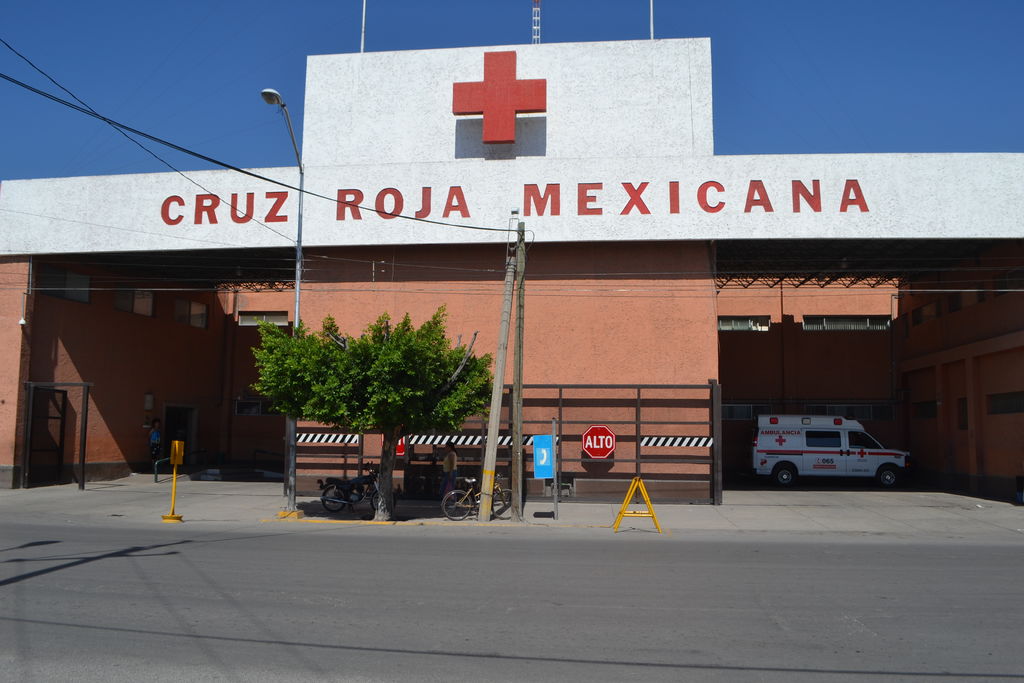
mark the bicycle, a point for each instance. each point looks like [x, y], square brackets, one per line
[459, 504]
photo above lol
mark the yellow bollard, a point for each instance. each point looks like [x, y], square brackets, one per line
[177, 458]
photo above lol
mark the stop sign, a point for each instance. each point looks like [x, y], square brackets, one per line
[598, 441]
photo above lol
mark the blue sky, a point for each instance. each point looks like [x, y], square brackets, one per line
[790, 76]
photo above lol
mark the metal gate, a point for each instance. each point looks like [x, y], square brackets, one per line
[668, 434]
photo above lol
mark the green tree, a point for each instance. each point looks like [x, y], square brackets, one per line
[395, 379]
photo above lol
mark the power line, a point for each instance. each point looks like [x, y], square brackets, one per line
[230, 167]
[133, 140]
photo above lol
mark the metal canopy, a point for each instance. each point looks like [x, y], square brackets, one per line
[742, 263]
[738, 263]
[218, 269]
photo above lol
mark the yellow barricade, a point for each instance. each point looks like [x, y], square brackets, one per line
[636, 486]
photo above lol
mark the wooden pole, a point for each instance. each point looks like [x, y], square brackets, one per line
[517, 380]
[494, 420]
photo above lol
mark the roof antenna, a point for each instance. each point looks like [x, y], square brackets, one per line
[536, 22]
[362, 34]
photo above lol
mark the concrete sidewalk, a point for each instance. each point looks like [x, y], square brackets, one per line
[904, 513]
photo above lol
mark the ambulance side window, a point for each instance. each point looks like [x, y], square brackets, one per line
[819, 439]
[862, 440]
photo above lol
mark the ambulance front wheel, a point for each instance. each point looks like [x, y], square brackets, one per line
[784, 474]
[887, 476]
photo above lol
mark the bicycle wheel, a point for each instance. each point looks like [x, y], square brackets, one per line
[332, 491]
[501, 503]
[457, 505]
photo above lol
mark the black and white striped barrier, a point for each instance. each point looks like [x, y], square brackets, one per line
[326, 437]
[676, 441]
[477, 440]
[415, 439]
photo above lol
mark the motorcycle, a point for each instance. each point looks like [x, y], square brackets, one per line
[336, 493]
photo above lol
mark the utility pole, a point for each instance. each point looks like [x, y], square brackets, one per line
[517, 379]
[494, 421]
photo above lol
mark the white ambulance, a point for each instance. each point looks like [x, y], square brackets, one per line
[787, 446]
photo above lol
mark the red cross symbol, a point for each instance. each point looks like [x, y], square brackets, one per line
[861, 453]
[781, 440]
[499, 97]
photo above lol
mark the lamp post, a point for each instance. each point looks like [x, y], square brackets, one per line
[271, 96]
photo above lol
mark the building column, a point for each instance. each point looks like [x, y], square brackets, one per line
[975, 429]
[942, 407]
[15, 344]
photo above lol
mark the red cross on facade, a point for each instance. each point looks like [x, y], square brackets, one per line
[781, 440]
[499, 97]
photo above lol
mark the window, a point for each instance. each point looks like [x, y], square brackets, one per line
[743, 323]
[953, 302]
[923, 314]
[1002, 404]
[63, 284]
[252, 318]
[254, 407]
[961, 413]
[846, 323]
[862, 440]
[822, 439]
[744, 411]
[924, 410]
[190, 312]
[138, 301]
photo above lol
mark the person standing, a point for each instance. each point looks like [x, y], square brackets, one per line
[155, 440]
[449, 469]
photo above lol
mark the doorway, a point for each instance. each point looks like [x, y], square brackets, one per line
[181, 424]
[46, 437]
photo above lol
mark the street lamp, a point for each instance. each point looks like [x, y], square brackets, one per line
[271, 96]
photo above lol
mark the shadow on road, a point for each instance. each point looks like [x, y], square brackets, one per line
[405, 511]
[73, 561]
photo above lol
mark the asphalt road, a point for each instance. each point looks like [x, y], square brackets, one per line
[92, 602]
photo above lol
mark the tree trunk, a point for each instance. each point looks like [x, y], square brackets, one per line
[386, 503]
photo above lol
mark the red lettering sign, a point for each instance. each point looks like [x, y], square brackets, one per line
[538, 200]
